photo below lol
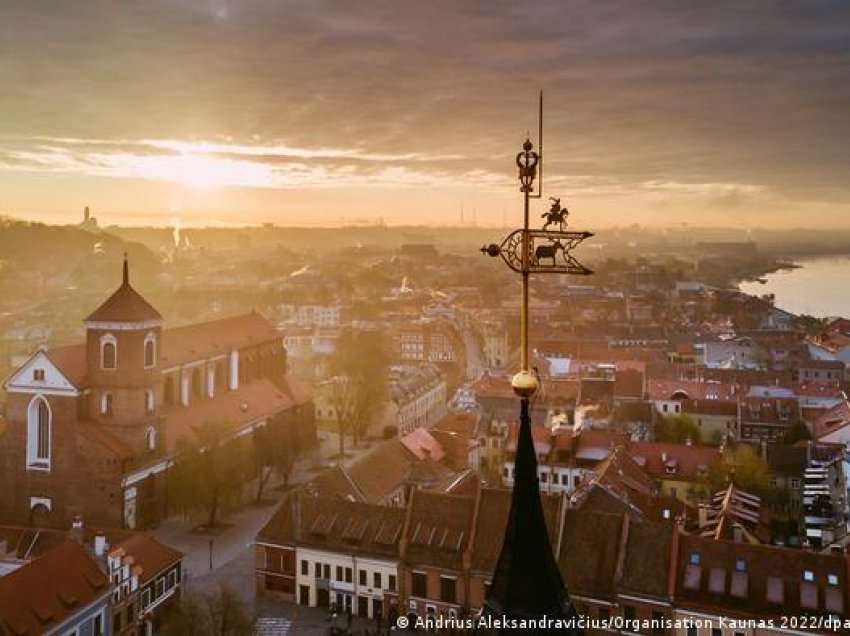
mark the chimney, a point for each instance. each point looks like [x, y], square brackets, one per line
[100, 545]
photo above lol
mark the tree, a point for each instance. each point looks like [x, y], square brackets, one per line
[272, 451]
[744, 467]
[359, 381]
[209, 471]
[796, 432]
[217, 614]
[677, 429]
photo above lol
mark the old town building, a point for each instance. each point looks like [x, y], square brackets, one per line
[91, 428]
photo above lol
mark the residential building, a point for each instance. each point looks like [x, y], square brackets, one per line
[62, 592]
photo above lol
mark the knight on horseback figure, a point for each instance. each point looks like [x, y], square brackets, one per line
[556, 215]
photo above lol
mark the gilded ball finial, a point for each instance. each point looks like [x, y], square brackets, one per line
[525, 384]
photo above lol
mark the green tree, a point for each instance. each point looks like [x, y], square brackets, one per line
[744, 467]
[217, 614]
[677, 429]
[358, 387]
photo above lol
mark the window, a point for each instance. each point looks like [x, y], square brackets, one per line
[317, 570]
[692, 630]
[362, 577]
[43, 450]
[448, 591]
[160, 587]
[305, 568]
[116, 622]
[146, 597]
[391, 583]
[339, 573]
[419, 584]
[740, 565]
[716, 631]
[39, 423]
[98, 625]
[131, 612]
[106, 404]
[149, 401]
[349, 575]
[327, 571]
[808, 575]
[694, 558]
[544, 477]
[150, 351]
[150, 439]
[171, 582]
[108, 352]
[38, 375]
[832, 579]
[376, 580]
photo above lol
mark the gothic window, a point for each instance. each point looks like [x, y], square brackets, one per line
[150, 439]
[106, 404]
[108, 352]
[39, 423]
[150, 351]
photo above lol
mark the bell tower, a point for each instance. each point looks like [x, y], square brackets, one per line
[123, 339]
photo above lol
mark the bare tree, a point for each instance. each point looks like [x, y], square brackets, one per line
[219, 614]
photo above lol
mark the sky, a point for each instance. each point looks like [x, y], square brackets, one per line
[314, 112]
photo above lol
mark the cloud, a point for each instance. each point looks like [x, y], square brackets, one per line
[662, 99]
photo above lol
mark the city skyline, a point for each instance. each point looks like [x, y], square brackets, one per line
[227, 113]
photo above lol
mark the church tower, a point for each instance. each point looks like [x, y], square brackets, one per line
[123, 339]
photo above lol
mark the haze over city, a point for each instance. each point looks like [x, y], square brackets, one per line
[320, 113]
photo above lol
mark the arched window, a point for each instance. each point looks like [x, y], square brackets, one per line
[150, 351]
[149, 401]
[39, 430]
[108, 352]
[150, 439]
[106, 404]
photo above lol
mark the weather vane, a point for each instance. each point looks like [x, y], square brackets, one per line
[527, 582]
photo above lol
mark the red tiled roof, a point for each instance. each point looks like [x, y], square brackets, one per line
[46, 591]
[686, 462]
[200, 340]
[71, 361]
[250, 402]
[152, 556]
[104, 440]
[835, 418]
[666, 389]
[124, 305]
[423, 445]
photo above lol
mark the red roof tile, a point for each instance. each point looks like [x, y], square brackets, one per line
[49, 589]
[674, 461]
[200, 340]
[251, 402]
[124, 305]
[152, 556]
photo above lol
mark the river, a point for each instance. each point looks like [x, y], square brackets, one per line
[819, 287]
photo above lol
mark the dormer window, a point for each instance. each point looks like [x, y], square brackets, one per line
[108, 352]
[150, 351]
[38, 375]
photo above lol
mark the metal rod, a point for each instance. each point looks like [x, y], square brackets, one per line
[523, 316]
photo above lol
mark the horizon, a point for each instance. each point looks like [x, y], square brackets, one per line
[254, 112]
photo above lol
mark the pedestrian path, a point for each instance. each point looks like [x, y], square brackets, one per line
[272, 626]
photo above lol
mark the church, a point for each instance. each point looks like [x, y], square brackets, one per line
[91, 428]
